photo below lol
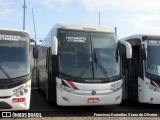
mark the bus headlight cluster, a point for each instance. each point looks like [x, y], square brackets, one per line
[21, 92]
[62, 87]
[154, 88]
[116, 86]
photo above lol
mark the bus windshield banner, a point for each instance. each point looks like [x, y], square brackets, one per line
[10, 37]
[153, 41]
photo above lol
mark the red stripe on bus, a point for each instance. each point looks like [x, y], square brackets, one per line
[72, 85]
[158, 84]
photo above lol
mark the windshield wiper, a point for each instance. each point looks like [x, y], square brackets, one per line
[6, 74]
[84, 70]
[99, 64]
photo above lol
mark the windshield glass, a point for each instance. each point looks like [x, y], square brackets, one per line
[14, 56]
[105, 49]
[75, 53]
[79, 49]
[153, 58]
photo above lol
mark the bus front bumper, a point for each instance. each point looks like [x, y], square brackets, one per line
[68, 99]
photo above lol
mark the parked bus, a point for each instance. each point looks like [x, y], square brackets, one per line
[142, 71]
[15, 81]
[79, 65]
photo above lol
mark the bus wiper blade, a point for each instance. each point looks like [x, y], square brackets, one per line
[6, 74]
[95, 58]
[67, 75]
[85, 69]
[103, 70]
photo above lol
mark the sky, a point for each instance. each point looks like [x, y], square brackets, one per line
[129, 16]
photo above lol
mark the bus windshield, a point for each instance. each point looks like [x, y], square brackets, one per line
[88, 55]
[153, 59]
[14, 57]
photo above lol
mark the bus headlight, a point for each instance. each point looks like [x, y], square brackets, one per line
[153, 88]
[116, 86]
[25, 90]
[65, 88]
[21, 92]
[59, 86]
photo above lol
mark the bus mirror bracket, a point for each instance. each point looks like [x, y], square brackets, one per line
[128, 48]
[54, 46]
[143, 54]
[144, 51]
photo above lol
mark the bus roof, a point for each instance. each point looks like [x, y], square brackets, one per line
[14, 30]
[85, 27]
[140, 36]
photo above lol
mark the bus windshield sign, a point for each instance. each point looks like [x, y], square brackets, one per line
[153, 41]
[76, 39]
[10, 37]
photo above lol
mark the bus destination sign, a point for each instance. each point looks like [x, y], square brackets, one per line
[10, 37]
[153, 41]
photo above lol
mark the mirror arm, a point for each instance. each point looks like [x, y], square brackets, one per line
[128, 48]
[34, 42]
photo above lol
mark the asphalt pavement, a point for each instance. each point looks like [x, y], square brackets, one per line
[39, 104]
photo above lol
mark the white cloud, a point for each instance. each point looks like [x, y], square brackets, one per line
[129, 5]
[51, 3]
[138, 24]
[7, 12]
[140, 15]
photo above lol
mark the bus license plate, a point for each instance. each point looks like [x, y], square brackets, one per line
[93, 100]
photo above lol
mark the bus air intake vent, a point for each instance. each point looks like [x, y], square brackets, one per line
[4, 97]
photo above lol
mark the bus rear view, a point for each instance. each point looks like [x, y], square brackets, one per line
[15, 81]
[82, 66]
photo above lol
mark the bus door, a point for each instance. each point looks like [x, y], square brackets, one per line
[134, 67]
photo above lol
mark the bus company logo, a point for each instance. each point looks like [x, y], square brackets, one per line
[93, 92]
[6, 114]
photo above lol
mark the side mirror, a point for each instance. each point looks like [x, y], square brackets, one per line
[143, 54]
[54, 46]
[35, 50]
[145, 50]
[128, 48]
[35, 53]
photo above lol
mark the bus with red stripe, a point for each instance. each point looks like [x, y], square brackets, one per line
[80, 65]
[15, 79]
[142, 71]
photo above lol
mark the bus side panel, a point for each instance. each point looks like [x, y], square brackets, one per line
[41, 68]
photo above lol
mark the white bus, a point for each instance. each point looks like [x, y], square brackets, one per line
[15, 81]
[142, 71]
[79, 65]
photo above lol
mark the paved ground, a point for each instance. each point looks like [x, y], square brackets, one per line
[52, 111]
[39, 104]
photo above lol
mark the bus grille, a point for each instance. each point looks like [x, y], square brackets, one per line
[4, 97]
[4, 105]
